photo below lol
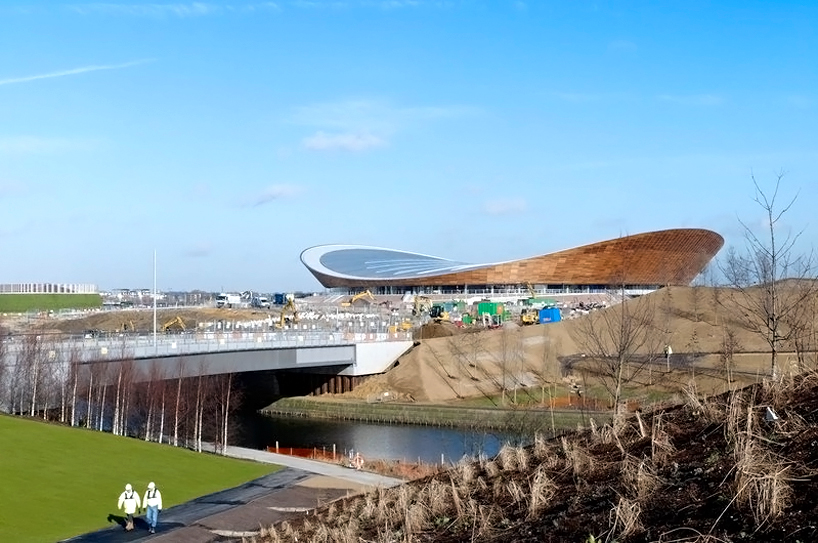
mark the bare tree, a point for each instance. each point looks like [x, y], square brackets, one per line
[620, 342]
[178, 415]
[3, 368]
[759, 276]
[74, 377]
[729, 346]
[154, 392]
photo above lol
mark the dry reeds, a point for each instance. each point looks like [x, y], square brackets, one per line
[541, 447]
[701, 406]
[762, 485]
[577, 458]
[639, 478]
[542, 489]
[661, 445]
[625, 519]
[507, 458]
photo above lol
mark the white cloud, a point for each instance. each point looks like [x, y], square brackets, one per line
[73, 71]
[360, 124]
[693, 99]
[18, 145]
[505, 206]
[342, 142]
[272, 193]
[181, 10]
[394, 4]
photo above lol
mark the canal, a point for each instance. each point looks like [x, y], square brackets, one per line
[409, 443]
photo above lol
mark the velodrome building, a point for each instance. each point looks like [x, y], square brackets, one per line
[639, 263]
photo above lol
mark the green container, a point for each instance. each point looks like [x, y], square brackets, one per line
[486, 308]
[466, 318]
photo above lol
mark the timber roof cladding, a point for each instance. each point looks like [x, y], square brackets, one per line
[666, 257]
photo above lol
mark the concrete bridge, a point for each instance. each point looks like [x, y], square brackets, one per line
[211, 353]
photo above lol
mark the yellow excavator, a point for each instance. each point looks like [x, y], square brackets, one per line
[402, 326]
[127, 326]
[289, 313]
[438, 313]
[421, 305]
[366, 296]
[176, 323]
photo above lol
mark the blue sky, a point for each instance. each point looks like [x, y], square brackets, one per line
[228, 137]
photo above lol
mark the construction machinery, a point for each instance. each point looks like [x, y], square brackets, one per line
[421, 305]
[228, 300]
[174, 324]
[127, 326]
[402, 326]
[529, 316]
[438, 313]
[366, 296]
[289, 313]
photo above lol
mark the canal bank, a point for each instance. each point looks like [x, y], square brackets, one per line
[529, 421]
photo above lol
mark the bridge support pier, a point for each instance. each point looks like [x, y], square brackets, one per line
[332, 384]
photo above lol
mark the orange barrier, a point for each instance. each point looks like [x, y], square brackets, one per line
[314, 453]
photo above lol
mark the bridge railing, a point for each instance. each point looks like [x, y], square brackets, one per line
[149, 346]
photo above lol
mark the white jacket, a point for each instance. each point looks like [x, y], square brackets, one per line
[153, 498]
[130, 500]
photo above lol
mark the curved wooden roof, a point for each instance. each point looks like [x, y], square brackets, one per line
[666, 257]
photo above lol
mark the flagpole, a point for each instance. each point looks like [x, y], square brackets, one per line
[154, 297]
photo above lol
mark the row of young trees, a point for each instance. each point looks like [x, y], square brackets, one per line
[38, 379]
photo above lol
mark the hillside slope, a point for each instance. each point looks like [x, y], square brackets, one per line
[714, 470]
[692, 320]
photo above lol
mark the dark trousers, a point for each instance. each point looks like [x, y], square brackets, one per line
[129, 521]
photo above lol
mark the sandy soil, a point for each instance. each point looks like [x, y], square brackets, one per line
[447, 367]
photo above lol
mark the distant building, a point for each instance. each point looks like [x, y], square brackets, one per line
[640, 263]
[48, 288]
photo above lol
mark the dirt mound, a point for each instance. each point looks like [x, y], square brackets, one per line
[436, 329]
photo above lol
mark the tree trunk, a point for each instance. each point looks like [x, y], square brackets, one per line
[226, 412]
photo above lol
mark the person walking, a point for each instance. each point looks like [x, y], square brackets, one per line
[153, 504]
[130, 500]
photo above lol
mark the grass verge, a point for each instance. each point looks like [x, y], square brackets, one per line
[60, 482]
[20, 303]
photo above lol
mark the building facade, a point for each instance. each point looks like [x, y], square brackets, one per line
[640, 262]
[48, 288]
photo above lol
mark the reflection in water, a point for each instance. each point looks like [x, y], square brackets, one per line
[409, 443]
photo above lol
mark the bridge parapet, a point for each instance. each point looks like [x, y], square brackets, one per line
[146, 346]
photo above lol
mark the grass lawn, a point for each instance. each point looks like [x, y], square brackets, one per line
[20, 303]
[58, 482]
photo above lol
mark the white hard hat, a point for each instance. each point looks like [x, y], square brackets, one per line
[128, 487]
[151, 486]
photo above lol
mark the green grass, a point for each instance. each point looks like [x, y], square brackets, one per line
[20, 303]
[58, 482]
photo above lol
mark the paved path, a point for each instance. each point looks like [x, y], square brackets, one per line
[230, 514]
